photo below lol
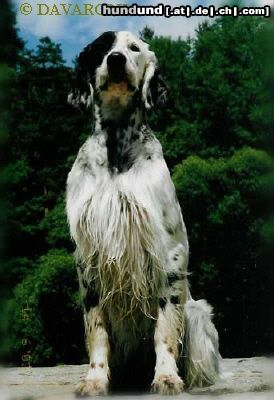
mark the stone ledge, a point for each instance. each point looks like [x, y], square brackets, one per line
[246, 378]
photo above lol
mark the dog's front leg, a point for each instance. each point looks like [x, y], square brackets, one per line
[167, 339]
[97, 380]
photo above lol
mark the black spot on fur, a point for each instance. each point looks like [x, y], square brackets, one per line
[91, 299]
[98, 324]
[173, 277]
[113, 148]
[147, 135]
[175, 299]
[89, 60]
[92, 56]
[162, 303]
[85, 284]
[135, 136]
[118, 150]
[87, 168]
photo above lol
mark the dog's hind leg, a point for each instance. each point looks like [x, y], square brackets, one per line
[97, 380]
[201, 345]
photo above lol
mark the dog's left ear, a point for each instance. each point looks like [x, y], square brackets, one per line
[82, 90]
[155, 92]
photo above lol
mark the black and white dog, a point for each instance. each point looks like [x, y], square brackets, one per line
[132, 247]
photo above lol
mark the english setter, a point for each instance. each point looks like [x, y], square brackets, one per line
[131, 241]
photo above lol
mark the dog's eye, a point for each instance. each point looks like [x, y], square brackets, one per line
[134, 47]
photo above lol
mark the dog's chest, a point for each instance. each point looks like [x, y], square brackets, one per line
[120, 217]
[113, 207]
[122, 214]
[121, 224]
[122, 232]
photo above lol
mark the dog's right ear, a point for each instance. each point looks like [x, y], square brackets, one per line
[82, 88]
[88, 61]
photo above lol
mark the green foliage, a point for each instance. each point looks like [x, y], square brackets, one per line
[10, 43]
[48, 54]
[216, 79]
[45, 134]
[45, 309]
[223, 202]
[56, 226]
[224, 191]
[147, 33]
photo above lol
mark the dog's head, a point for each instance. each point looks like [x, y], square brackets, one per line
[115, 68]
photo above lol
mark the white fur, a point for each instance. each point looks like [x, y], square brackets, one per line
[202, 348]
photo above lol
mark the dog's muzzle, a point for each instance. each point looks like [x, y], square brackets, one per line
[116, 64]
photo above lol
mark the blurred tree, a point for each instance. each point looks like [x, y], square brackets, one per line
[45, 135]
[147, 33]
[226, 83]
[10, 47]
[217, 80]
[10, 43]
[49, 299]
[223, 202]
[48, 55]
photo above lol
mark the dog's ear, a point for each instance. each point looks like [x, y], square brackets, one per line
[155, 92]
[158, 89]
[88, 61]
[82, 88]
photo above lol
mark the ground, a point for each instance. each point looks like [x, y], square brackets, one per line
[243, 379]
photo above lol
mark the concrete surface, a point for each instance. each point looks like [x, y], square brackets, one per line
[242, 379]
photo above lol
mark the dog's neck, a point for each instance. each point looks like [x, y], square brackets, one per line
[122, 136]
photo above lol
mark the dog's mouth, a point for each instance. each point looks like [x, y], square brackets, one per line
[120, 83]
[117, 75]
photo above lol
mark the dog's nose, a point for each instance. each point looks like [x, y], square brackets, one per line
[116, 61]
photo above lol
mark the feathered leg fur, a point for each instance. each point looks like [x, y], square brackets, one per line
[201, 345]
[97, 340]
[168, 334]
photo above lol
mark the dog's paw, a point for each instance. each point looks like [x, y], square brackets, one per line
[91, 387]
[167, 385]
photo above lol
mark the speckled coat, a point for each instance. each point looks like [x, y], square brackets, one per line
[131, 241]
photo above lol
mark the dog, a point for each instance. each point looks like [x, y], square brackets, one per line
[131, 242]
